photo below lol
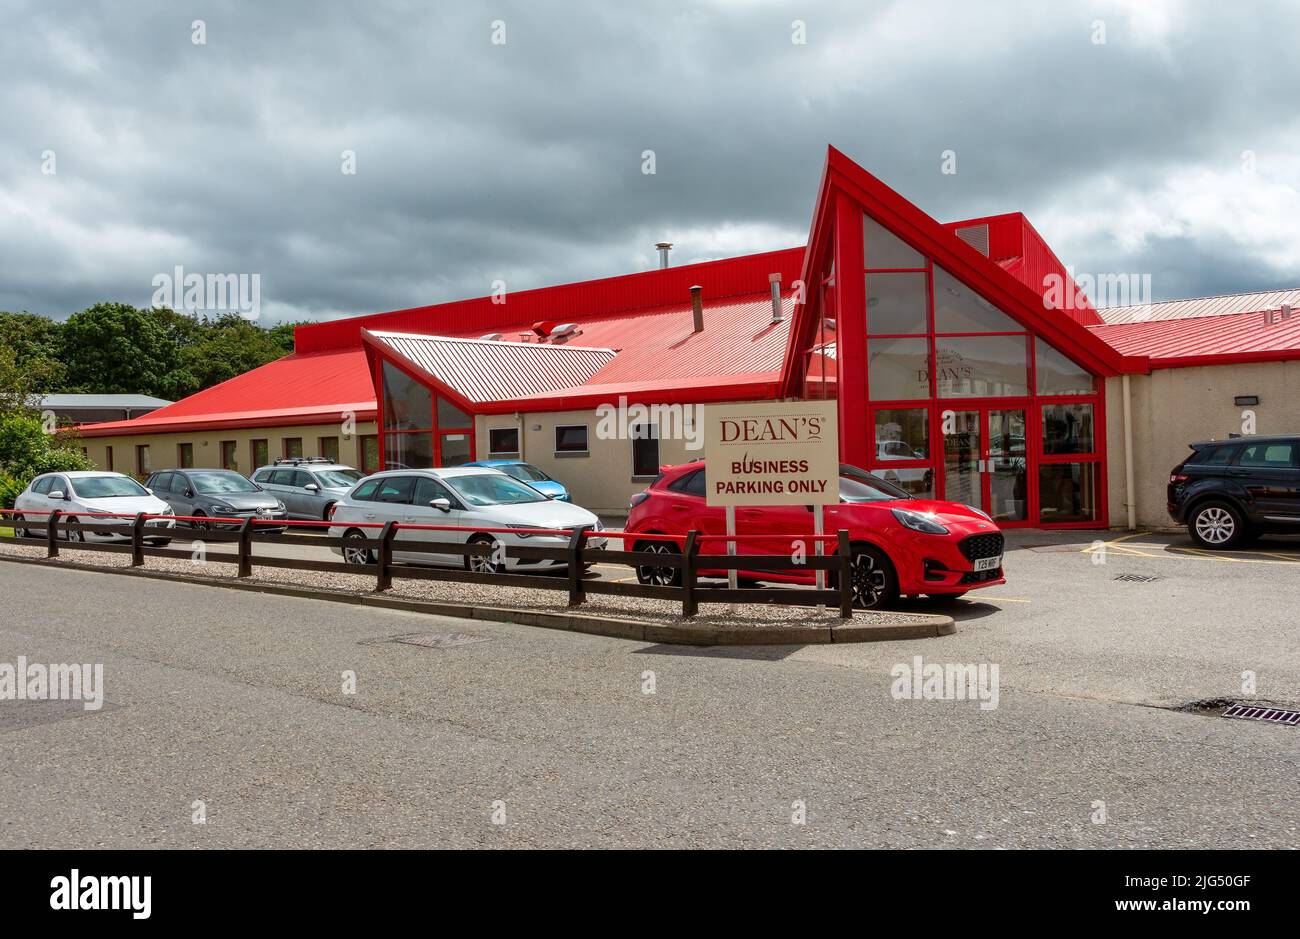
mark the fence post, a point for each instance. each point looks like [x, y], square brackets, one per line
[689, 550]
[846, 575]
[52, 534]
[246, 548]
[577, 541]
[137, 540]
[384, 578]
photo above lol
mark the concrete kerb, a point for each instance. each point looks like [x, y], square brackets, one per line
[916, 626]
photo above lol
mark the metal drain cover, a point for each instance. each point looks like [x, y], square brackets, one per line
[1247, 712]
[1137, 578]
[440, 640]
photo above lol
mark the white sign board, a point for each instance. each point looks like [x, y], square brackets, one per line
[772, 453]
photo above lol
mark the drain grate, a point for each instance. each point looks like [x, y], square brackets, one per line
[1137, 578]
[1248, 712]
[440, 640]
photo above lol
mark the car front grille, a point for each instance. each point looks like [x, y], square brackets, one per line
[979, 577]
[981, 546]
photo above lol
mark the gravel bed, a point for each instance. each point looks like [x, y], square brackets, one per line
[715, 615]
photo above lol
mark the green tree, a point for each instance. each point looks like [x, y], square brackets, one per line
[114, 348]
[34, 341]
[28, 444]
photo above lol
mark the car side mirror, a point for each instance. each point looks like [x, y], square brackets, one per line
[312, 487]
[442, 505]
[58, 494]
[148, 490]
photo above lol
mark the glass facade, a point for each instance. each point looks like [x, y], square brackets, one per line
[964, 402]
[422, 429]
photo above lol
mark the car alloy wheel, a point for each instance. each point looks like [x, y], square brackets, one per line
[74, 532]
[654, 575]
[874, 582]
[483, 563]
[20, 530]
[1214, 526]
[200, 522]
[357, 550]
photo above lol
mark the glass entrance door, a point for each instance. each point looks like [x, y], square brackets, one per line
[963, 457]
[985, 460]
[1007, 465]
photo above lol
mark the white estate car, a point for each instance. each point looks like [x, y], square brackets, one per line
[466, 496]
[83, 492]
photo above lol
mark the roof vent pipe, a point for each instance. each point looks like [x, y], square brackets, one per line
[697, 307]
[664, 247]
[775, 281]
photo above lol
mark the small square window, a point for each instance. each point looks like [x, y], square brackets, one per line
[503, 441]
[571, 438]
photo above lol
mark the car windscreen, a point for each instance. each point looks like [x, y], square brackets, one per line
[493, 489]
[218, 483]
[107, 487]
[339, 479]
[524, 472]
[859, 486]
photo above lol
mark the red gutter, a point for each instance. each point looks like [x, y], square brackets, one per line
[366, 413]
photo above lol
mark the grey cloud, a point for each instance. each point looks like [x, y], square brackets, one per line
[523, 161]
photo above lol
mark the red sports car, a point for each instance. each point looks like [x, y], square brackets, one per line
[901, 545]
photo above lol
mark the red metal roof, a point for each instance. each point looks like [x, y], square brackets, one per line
[297, 389]
[738, 353]
[1208, 340]
[481, 370]
[566, 303]
[1202, 306]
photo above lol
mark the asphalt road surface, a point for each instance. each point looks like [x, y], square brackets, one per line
[535, 738]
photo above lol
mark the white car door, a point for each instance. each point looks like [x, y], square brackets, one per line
[421, 512]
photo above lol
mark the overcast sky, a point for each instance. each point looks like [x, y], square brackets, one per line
[1170, 148]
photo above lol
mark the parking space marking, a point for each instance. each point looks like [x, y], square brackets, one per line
[985, 596]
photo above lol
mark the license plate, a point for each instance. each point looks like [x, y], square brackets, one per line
[988, 564]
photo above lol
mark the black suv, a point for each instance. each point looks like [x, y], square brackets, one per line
[1231, 491]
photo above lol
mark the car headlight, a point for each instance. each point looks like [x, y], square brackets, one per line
[919, 522]
[224, 510]
[980, 512]
[521, 534]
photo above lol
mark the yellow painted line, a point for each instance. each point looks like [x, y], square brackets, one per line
[985, 596]
[1202, 554]
[1114, 541]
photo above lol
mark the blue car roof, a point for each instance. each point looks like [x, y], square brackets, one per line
[495, 462]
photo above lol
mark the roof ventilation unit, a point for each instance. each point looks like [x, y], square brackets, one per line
[495, 337]
[565, 331]
[775, 281]
[697, 307]
[977, 236]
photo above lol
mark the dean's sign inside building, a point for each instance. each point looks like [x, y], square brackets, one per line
[774, 453]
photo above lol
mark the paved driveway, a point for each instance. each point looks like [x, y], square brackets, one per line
[236, 699]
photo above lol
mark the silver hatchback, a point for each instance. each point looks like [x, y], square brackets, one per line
[308, 486]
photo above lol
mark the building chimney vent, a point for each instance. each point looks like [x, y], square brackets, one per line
[775, 281]
[664, 247]
[697, 307]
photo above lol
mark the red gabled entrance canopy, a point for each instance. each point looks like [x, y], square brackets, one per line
[1022, 303]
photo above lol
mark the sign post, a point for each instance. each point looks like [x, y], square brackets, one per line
[772, 453]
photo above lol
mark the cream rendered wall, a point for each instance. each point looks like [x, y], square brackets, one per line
[1178, 406]
[602, 479]
[164, 452]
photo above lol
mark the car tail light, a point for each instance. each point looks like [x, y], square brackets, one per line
[638, 499]
[1178, 477]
